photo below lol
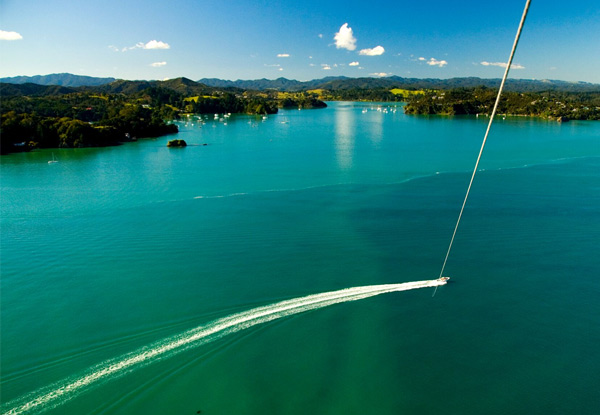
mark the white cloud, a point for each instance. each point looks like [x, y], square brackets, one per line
[435, 62]
[158, 64]
[325, 67]
[344, 39]
[283, 55]
[380, 74]
[422, 59]
[281, 69]
[320, 35]
[4, 35]
[353, 64]
[503, 65]
[377, 50]
[275, 65]
[155, 44]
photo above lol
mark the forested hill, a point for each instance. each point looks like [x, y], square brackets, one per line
[17, 90]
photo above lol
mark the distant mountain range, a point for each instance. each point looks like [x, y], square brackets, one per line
[184, 86]
[344, 83]
[329, 83]
[279, 84]
[62, 79]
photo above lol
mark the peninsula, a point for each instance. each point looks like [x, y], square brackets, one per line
[562, 106]
[52, 116]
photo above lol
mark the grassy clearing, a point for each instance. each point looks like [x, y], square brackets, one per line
[293, 95]
[196, 98]
[406, 92]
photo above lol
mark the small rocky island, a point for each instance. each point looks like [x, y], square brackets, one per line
[176, 143]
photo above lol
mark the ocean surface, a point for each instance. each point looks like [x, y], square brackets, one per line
[152, 280]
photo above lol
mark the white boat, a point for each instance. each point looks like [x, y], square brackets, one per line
[53, 160]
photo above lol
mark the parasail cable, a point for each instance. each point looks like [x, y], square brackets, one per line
[512, 53]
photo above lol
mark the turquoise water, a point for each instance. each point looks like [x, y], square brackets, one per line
[115, 249]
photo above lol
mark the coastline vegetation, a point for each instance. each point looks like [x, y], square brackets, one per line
[302, 100]
[78, 120]
[35, 116]
[38, 116]
[357, 94]
[563, 106]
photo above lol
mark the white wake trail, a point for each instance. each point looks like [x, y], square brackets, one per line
[59, 393]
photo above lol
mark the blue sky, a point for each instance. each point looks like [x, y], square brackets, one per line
[250, 39]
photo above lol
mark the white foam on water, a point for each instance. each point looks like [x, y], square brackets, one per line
[61, 392]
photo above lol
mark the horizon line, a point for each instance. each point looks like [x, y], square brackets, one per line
[296, 80]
